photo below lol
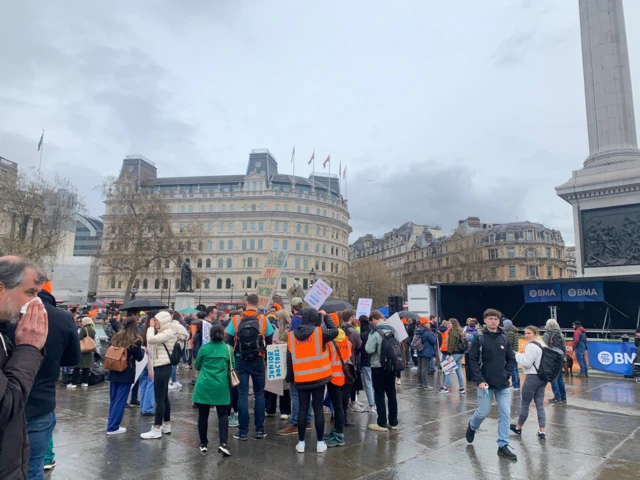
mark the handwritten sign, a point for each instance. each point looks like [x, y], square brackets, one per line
[276, 361]
[364, 307]
[449, 366]
[396, 322]
[206, 332]
[318, 294]
[268, 281]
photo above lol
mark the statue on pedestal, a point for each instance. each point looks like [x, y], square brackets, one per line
[185, 277]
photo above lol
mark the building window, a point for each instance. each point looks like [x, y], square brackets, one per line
[317, 211]
[299, 209]
[529, 235]
[244, 244]
[305, 283]
[286, 208]
[232, 208]
[190, 208]
[252, 226]
[512, 271]
[306, 209]
[324, 266]
[448, 278]
[492, 238]
[212, 208]
[165, 283]
[156, 283]
[317, 248]
[202, 208]
[324, 213]
[249, 282]
[298, 228]
[317, 230]
[324, 249]
[285, 227]
[509, 236]
[207, 284]
[199, 263]
[260, 226]
[222, 227]
[260, 244]
[512, 252]
[283, 283]
[531, 253]
[547, 252]
[493, 254]
[549, 272]
[231, 227]
[227, 284]
[276, 245]
[228, 263]
[209, 245]
[230, 245]
[208, 263]
[306, 246]
[297, 264]
[297, 246]
[324, 231]
[306, 229]
[285, 245]
[219, 284]
[181, 228]
[250, 262]
[276, 227]
[532, 271]
[245, 226]
[560, 273]
[277, 207]
[145, 284]
[220, 263]
[252, 244]
[306, 265]
[221, 244]
[223, 208]
[182, 209]
[494, 272]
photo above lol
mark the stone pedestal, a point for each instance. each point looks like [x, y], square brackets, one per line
[185, 300]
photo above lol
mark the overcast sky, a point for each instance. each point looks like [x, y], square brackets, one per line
[440, 110]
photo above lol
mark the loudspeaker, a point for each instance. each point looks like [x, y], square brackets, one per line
[395, 304]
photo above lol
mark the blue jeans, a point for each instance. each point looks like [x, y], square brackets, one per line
[256, 370]
[515, 378]
[40, 430]
[118, 394]
[503, 397]
[457, 357]
[174, 373]
[580, 351]
[295, 405]
[558, 388]
[147, 397]
[368, 385]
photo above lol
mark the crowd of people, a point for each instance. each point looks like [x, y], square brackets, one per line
[332, 361]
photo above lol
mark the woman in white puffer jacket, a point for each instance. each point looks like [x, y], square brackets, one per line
[162, 337]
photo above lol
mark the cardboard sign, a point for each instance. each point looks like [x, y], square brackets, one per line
[206, 332]
[449, 366]
[268, 281]
[364, 307]
[277, 361]
[318, 294]
[396, 322]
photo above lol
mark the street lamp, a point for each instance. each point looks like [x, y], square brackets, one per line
[312, 276]
[134, 290]
[246, 296]
[370, 283]
[232, 285]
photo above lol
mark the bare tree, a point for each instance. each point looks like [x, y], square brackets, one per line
[139, 237]
[383, 283]
[37, 216]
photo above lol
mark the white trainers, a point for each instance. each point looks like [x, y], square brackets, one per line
[118, 431]
[178, 385]
[151, 434]
[300, 447]
[173, 386]
[85, 384]
[71, 386]
[284, 417]
[354, 407]
[398, 382]
[322, 447]
[165, 428]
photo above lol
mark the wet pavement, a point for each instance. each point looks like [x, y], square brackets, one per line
[595, 436]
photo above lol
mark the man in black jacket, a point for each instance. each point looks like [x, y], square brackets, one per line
[20, 357]
[492, 360]
[62, 349]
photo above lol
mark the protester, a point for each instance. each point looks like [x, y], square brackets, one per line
[196, 329]
[283, 320]
[533, 387]
[425, 356]
[135, 390]
[174, 384]
[553, 337]
[309, 366]
[454, 350]
[61, 349]
[340, 348]
[83, 368]
[580, 347]
[214, 362]
[147, 397]
[20, 357]
[348, 318]
[162, 336]
[411, 330]
[383, 380]
[471, 333]
[256, 332]
[513, 335]
[443, 338]
[492, 362]
[365, 364]
[120, 382]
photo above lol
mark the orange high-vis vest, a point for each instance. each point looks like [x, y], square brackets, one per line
[193, 329]
[262, 321]
[310, 361]
[445, 341]
[337, 372]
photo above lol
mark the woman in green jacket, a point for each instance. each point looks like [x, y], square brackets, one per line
[214, 361]
[86, 362]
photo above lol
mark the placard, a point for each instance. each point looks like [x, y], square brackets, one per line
[364, 307]
[206, 332]
[318, 294]
[277, 361]
[268, 281]
[396, 322]
[449, 366]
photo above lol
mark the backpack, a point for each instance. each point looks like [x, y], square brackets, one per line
[249, 341]
[463, 344]
[551, 363]
[116, 359]
[391, 355]
[176, 354]
[108, 329]
[416, 343]
[481, 342]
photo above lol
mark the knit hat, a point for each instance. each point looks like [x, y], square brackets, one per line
[577, 324]
[46, 286]
[297, 302]
[87, 321]
[507, 323]
[164, 318]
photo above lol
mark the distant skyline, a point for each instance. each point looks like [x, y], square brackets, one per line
[450, 109]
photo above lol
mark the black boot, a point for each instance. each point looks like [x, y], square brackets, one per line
[506, 453]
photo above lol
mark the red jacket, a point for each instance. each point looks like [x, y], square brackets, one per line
[576, 337]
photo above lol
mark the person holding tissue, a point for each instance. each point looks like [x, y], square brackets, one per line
[22, 337]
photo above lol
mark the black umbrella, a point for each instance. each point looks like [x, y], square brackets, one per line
[408, 314]
[331, 306]
[143, 304]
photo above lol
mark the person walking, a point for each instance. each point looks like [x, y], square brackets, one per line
[492, 362]
[309, 367]
[455, 350]
[513, 335]
[533, 387]
[553, 337]
[214, 362]
[365, 364]
[383, 380]
[580, 347]
[82, 369]
[250, 332]
[120, 382]
[162, 337]
[425, 356]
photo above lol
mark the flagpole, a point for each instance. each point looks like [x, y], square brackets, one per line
[293, 159]
[313, 175]
[41, 149]
[329, 177]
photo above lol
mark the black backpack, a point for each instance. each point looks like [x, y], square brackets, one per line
[463, 344]
[176, 354]
[391, 356]
[249, 340]
[551, 363]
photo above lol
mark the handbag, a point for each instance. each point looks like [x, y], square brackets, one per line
[348, 368]
[234, 380]
[87, 344]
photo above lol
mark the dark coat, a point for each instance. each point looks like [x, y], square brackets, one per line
[428, 341]
[61, 350]
[365, 360]
[20, 364]
[134, 354]
[87, 358]
[497, 362]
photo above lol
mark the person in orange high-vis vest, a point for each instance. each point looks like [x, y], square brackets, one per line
[309, 367]
[340, 348]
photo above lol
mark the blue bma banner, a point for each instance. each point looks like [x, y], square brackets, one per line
[612, 357]
[542, 292]
[583, 292]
